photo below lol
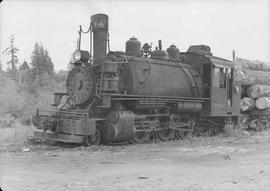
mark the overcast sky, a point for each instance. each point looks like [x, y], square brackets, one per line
[223, 25]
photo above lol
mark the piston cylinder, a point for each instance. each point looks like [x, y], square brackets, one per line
[119, 126]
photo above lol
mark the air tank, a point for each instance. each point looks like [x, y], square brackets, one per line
[133, 47]
[100, 27]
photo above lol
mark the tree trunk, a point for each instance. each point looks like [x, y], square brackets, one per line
[247, 104]
[255, 91]
[263, 103]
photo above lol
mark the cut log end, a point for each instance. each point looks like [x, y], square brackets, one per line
[247, 104]
[257, 90]
[263, 103]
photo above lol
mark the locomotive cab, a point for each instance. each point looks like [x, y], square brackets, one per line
[218, 81]
[224, 90]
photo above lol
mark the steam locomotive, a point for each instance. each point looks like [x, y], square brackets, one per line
[140, 94]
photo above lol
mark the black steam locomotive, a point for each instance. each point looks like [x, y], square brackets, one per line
[140, 94]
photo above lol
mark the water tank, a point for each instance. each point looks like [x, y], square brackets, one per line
[133, 47]
[173, 52]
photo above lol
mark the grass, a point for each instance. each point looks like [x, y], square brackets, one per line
[17, 134]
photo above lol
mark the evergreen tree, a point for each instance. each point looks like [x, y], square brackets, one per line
[1, 66]
[41, 62]
[13, 62]
[24, 66]
[24, 74]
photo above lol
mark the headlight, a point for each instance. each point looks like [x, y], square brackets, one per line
[81, 55]
[77, 55]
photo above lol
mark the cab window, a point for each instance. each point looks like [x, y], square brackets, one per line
[222, 79]
[219, 78]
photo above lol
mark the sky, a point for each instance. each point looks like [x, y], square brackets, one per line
[242, 25]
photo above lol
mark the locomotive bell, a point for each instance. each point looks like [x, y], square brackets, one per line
[133, 47]
[160, 54]
[173, 52]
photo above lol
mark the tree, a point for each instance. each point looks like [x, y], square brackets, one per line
[24, 74]
[41, 62]
[12, 51]
[0, 66]
[24, 66]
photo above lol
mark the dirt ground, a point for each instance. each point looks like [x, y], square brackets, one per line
[240, 163]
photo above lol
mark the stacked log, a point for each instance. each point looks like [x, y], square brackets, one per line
[244, 64]
[247, 104]
[258, 98]
[255, 91]
[252, 77]
[255, 81]
[263, 103]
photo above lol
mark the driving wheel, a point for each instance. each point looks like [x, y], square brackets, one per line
[92, 139]
[141, 137]
[166, 134]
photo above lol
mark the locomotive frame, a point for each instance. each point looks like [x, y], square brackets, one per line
[104, 102]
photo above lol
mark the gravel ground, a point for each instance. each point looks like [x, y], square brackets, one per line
[216, 163]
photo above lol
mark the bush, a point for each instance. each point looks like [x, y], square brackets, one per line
[22, 100]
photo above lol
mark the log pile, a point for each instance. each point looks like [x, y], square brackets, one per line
[263, 103]
[244, 64]
[255, 82]
[255, 91]
[252, 77]
[247, 104]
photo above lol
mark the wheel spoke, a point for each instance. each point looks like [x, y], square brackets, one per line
[93, 139]
[180, 134]
[176, 135]
[141, 137]
[165, 135]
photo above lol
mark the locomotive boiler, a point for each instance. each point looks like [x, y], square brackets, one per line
[140, 94]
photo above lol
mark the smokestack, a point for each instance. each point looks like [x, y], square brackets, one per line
[100, 26]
